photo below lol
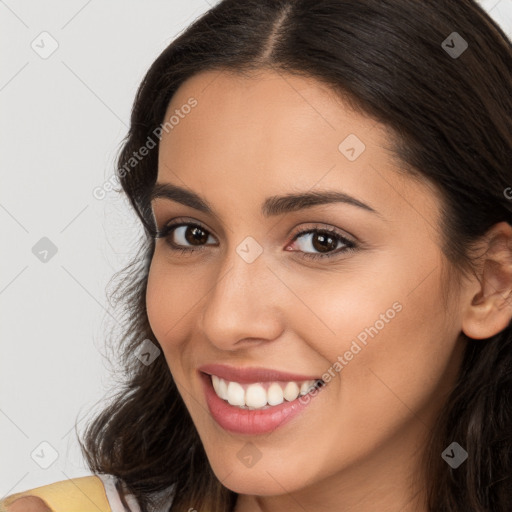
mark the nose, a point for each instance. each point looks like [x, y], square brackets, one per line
[242, 308]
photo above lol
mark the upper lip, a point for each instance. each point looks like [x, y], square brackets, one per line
[252, 374]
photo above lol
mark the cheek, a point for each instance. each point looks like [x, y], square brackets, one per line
[384, 334]
[393, 312]
[170, 302]
[398, 357]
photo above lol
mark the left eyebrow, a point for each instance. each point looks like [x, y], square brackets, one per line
[272, 206]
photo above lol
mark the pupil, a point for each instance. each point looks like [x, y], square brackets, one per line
[327, 242]
[198, 235]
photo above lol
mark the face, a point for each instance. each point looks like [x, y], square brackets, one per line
[349, 292]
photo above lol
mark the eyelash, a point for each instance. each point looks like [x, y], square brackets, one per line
[350, 246]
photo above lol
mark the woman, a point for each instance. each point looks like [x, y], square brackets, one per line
[320, 309]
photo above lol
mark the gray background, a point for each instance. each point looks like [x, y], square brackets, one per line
[62, 123]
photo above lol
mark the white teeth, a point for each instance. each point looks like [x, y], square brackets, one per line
[223, 389]
[215, 383]
[257, 396]
[291, 391]
[236, 394]
[275, 394]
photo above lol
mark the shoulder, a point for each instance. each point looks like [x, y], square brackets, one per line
[77, 494]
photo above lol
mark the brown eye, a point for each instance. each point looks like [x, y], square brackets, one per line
[195, 235]
[188, 234]
[185, 236]
[324, 242]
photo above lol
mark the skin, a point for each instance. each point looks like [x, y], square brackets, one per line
[359, 441]
[29, 504]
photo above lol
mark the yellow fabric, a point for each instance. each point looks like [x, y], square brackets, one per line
[84, 494]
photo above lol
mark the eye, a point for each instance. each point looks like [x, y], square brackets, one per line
[185, 236]
[189, 237]
[327, 241]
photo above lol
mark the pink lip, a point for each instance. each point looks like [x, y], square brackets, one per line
[252, 374]
[252, 422]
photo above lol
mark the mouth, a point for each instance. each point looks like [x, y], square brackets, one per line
[252, 405]
[261, 395]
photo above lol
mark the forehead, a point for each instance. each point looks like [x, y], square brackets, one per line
[268, 106]
[271, 133]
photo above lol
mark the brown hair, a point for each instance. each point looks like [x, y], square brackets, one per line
[451, 116]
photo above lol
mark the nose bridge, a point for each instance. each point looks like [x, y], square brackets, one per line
[243, 270]
[240, 303]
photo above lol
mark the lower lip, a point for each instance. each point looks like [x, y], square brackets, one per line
[252, 422]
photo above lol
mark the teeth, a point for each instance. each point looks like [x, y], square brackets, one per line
[306, 387]
[236, 394]
[216, 383]
[291, 391]
[259, 395]
[275, 394]
[223, 389]
[255, 396]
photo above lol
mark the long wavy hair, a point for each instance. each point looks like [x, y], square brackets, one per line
[451, 119]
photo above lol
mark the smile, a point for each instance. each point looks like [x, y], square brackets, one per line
[261, 395]
[254, 401]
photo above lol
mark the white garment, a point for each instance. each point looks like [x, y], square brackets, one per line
[114, 500]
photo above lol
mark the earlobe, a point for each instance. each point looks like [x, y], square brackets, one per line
[489, 310]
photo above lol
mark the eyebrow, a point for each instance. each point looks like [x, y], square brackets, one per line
[272, 206]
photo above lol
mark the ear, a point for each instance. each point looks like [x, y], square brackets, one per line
[489, 310]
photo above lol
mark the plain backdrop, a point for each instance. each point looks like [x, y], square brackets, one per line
[69, 73]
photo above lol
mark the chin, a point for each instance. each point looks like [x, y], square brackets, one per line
[261, 484]
[264, 478]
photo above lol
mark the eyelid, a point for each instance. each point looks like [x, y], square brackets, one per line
[180, 221]
[323, 227]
